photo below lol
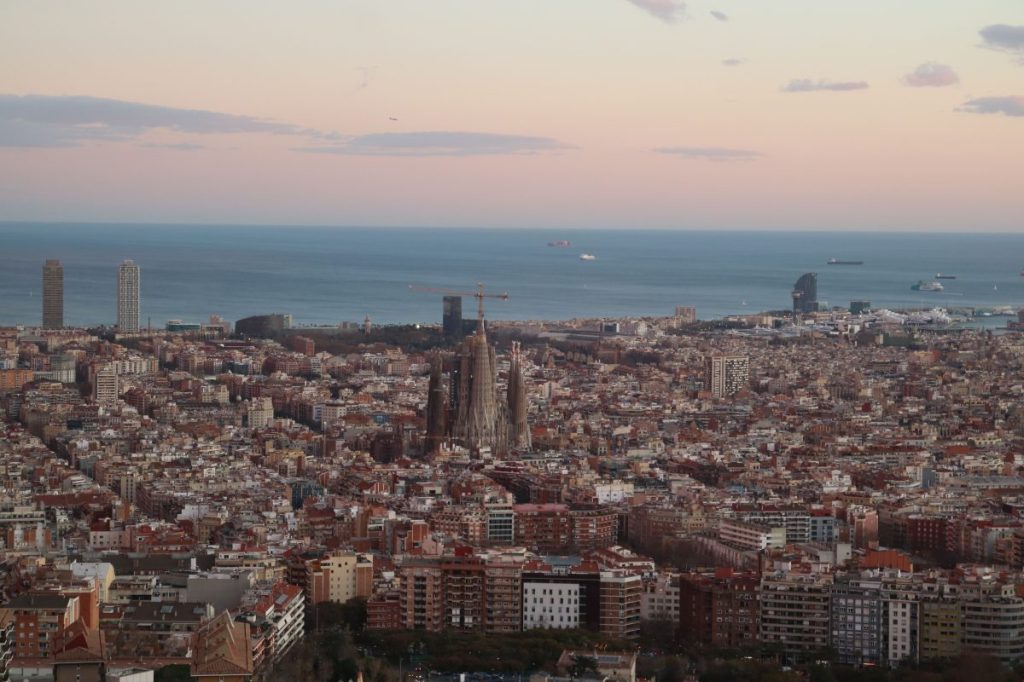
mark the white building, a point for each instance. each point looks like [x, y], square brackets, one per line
[129, 675]
[901, 629]
[726, 374]
[101, 572]
[260, 413]
[288, 617]
[551, 606]
[751, 536]
[660, 600]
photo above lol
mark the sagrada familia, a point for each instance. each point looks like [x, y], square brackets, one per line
[469, 412]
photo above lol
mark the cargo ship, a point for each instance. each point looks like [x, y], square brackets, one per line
[839, 261]
[939, 275]
[560, 244]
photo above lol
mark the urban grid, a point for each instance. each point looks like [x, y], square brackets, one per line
[811, 487]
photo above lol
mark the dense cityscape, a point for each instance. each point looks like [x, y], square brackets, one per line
[511, 341]
[807, 492]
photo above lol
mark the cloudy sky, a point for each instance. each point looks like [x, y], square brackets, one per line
[742, 114]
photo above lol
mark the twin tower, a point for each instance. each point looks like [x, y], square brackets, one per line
[127, 296]
[468, 411]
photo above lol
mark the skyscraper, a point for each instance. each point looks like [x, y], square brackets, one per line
[53, 295]
[805, 294]
[726, 374]
[451, 321]
[128, 297]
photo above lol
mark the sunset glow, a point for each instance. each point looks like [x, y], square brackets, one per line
[797, 114]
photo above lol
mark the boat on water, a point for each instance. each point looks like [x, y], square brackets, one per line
[560, 244]
[927, 286]
[587, 256]
[939, 275]
[839, 261]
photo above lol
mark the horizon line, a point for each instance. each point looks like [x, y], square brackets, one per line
[606, 228]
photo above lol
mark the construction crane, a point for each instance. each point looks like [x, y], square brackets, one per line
[479, 295]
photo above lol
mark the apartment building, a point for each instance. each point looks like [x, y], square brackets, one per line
[795, 612]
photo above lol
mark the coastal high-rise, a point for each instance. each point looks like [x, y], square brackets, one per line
[128, 297]
[53, 295]
[805, 294]
[686, 314]
[451, 320]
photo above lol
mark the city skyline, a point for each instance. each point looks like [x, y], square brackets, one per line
[747, 404]
[609, 113]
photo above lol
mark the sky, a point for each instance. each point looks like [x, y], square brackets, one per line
[725, 114]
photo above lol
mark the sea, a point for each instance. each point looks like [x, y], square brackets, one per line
[327, 275]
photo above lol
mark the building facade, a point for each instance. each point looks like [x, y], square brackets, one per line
[106, 386]
[551, 606]
[857, 620]
[128, 297]
[451, 320]
[719, 610]
[795, 613]
[621, 593]
[805, 294]
[53, 295]
[726, 375]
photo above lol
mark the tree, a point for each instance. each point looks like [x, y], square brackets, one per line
[581, 665]
[672, 671]
[658, 635]
[821, 673]
[173, 673]
[351, 614]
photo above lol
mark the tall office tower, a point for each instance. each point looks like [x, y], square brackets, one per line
[436, 407]
[128, 297]
[518, 401]
[726, 374]
[451, 324]
[805, 294]
[53, 295]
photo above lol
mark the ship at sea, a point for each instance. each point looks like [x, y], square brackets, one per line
[939, 275]
[587, 256]
[927, 286]
[560, 244]
[839, 261]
